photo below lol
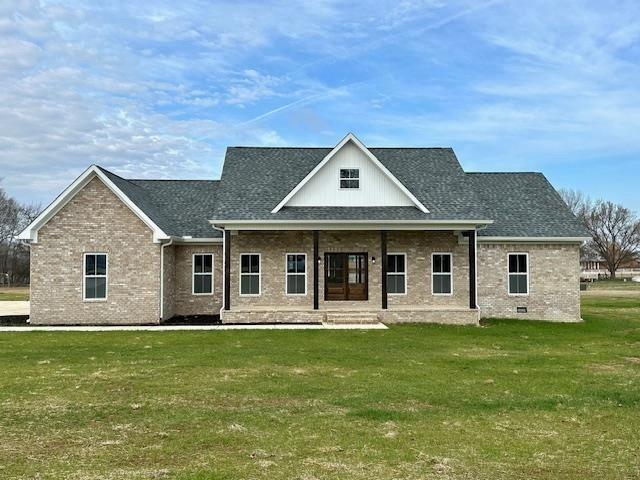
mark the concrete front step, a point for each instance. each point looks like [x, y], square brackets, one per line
[354, 318]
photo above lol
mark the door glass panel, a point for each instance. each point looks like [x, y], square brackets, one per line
[356, 269]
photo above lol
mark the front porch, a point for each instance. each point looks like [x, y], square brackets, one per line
[350, 276]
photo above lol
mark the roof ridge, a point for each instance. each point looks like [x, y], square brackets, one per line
[508, 173]
[171, 180]
[330, 148]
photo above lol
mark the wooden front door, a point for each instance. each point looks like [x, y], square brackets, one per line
[346, 276]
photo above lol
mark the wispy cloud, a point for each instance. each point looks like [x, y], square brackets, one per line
[162, 90]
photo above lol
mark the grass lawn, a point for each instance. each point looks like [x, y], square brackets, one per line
[510, 400]
[14, 293]
[617, 284]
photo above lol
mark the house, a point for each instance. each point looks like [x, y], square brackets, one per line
[595, 268]
[343, 234]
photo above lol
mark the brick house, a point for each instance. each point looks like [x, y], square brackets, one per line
[348, 233]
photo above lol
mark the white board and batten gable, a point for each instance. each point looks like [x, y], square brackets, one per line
[377, 186]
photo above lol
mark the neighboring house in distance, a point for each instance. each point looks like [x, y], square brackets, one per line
[595, 268]
[348, 233]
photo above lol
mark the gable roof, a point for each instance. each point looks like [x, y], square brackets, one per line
[353, 139]
[256, 179]
[505, 206]
[173, 208]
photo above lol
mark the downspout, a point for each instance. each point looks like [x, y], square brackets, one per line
[162, 247]
[27, 243]
[224, 259]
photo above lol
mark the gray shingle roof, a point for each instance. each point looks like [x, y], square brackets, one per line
[524, 205]
[255, 179]
[178, 207]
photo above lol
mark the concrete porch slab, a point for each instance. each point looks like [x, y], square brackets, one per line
[13, 309]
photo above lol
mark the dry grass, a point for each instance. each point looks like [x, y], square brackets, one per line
[14, 293]
[509, 400]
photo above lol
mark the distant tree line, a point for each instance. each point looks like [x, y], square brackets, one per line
[614, 229]
[14, 256]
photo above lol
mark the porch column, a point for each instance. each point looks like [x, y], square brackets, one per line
[383, 259]
[227, 270]
[315, 269]
[473, 303]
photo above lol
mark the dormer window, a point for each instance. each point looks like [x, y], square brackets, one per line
[349, 178]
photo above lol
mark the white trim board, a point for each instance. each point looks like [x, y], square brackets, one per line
[532, 239]
[424, 225]
[31, 232]
[350, 138]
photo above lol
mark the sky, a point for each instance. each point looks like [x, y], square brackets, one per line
[159, 89]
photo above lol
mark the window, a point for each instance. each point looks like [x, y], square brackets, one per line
[250, 274]
[441, 278]
[396, 273]
[95, 276]
[518, 274]
[202, 274]
[296, 273]
[349, 178]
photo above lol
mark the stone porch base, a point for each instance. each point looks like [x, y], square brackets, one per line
[444, 315]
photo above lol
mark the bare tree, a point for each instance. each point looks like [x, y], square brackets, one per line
[578, 202]
[616, 233]
[14, 257]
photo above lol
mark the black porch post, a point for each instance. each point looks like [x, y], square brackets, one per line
[315, 270]
[383, 259]
[472, 269]
[227, 270]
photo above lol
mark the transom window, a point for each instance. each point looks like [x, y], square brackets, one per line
[296, 274]
[441, 274]
[95, 276]
[518, 274]
[349, 178]
[396, 273]
[202, 274]
[250, 274]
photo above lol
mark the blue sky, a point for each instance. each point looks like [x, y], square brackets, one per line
[159, 89]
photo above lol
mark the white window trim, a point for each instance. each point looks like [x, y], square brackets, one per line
[84, 277]
[526, 254]
[240, 274]
[194, 273]
[433, 254]
[286, 275]
[340, 178]
[406, 268]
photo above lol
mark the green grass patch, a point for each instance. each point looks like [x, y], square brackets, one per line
[17, 294]
[512, 399]
[616, 284]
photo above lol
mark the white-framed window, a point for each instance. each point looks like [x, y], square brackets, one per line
[296, 273]
[441, 274]
[95, 272]
[349, 178]
[250, 274]
[397, 273]
[202, 282]
[518, 276]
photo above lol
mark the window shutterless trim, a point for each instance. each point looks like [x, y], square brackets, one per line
[259, 274]
[340, 187]
[287, 273]
[433, 274]
[85, 276]
[202, 274]
[509, 254]
[406, 268]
